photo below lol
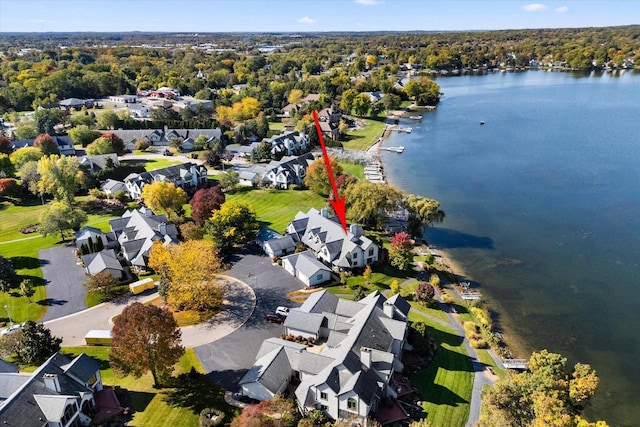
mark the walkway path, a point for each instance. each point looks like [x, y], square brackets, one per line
[238, 306]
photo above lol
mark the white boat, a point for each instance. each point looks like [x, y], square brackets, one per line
[415, 117]
[399, 149]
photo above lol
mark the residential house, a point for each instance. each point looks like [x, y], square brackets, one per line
[186, 175]
[99, 162]
[75, 103]
[138, 111]
[102, 261]
[64, 142]
[61, 392]
[329, 121]
[275, 244]
[86, 234]
[162, 137]
[288, 143]
[288, 171]
[304, 266]
[351, 372]
[329, 242]
[112, 186]
[137, 230]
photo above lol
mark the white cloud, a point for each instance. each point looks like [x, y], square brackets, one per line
[306, 20]
[534, 7]
[562, 9]
[368, 2]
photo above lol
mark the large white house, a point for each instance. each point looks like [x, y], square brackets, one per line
[328, 241]
[350, 372]
[185, 175]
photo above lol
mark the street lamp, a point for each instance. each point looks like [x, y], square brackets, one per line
[6, 307]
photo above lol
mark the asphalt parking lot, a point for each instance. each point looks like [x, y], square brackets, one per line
[229, 358]
[64, 282]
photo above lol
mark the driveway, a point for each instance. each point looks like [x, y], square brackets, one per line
[64, 282]
[229, 358]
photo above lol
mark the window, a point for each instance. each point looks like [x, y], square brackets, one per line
[319, 277]
[355, 255]
[371, 252]
[352, 404]
[323, 395]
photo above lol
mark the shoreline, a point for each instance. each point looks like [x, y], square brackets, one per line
[515, 344]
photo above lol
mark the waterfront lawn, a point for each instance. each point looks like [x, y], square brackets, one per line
[276, 208]
[361, 139]
[446, 385]
[354, 169]
[180, 405]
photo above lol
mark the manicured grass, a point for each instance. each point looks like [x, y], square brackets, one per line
[22, 250]
[405, 104]
[276, 126]
[447, 383]
[276, 208]
[152, 164]
[162, 407]
[354, 169]
[361, 139]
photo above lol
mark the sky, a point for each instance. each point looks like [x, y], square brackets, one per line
[309, 15]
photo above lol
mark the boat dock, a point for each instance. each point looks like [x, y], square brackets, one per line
[401, 129]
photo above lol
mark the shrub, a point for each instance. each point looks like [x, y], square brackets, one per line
[121, 196]
[141, 144]
[425, 293]
[210, 417]
[95, 192]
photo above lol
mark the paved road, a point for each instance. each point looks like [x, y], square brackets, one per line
[64, 281]
[228, 358]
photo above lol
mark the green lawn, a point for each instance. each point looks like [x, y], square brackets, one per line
[162, 407]
[361, 139]
[22, 250]
[276, 208]
[152, 164]
[276, 126]
[447, 383]
[354, 169]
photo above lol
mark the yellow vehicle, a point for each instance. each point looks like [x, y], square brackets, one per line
[142, 285]
[98, 337]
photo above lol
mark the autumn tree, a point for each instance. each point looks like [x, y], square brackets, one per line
[361, 104]
[425, 293]
[106, 144]
[422, 212]
[317, 178]
[188, 274]
[204, 202]
[164, 196]
[229, 179]
[401, 251]
[145, 338]
[24, 155]
[274, 412]
[61, 217]
[9, 187]
[234, 224]
[36, 344]
[58, 177]
[46, 144]
[369, 203]
[295, 95]
[5, 145]
[31, 179]
[544, 395]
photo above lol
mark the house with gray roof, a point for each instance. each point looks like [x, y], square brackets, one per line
[289, 143]
[112, 186]
[137, 230]
[186, 176]
[99, 162]
[61, 392]
[303, 265]
[327, 240]
[349, 373]
[105, 260]
[275, 244]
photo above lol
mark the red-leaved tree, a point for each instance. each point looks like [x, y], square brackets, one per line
[46, 144]
[145, 338]
[204, 202]
[401, 251]
[5, 145]
[9, 187]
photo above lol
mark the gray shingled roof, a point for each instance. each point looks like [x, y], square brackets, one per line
[321, 301]
[303, 321]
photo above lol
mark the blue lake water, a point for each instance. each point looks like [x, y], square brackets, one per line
[542, 211]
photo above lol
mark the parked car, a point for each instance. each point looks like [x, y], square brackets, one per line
[274, 318]
[166, 152]
[12, 328]
[282, 311]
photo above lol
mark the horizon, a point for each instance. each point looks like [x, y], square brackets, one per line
[305, 17]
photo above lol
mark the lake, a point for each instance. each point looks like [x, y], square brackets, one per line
[542, 210]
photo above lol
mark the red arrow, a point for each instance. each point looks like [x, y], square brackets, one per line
[338, 203]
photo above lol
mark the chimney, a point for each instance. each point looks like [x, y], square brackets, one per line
[162, 228]
[324, 212]
[51, 382]
[388, 309]
[356, 230]
[365, 356]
